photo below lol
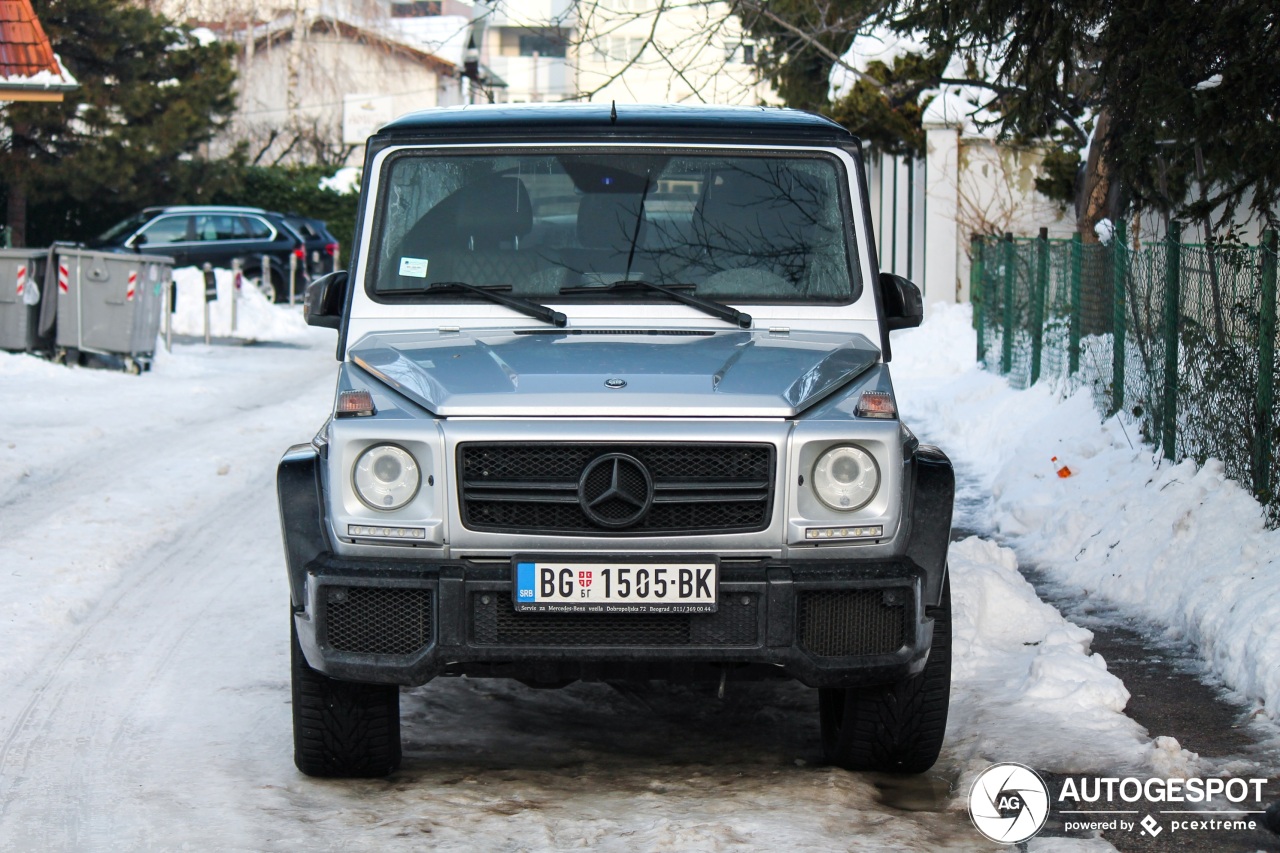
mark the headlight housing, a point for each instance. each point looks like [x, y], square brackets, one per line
[386, 477]
[846, 478]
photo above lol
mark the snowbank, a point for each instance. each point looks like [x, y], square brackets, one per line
[257, 318]
[1026, 687]
[1182, 546]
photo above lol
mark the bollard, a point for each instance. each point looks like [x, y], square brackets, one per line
[267, 287]
[293, 275]
[168, 316]
[210, 291]
[236, 279]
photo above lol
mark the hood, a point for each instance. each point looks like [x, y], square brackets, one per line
[631, 372]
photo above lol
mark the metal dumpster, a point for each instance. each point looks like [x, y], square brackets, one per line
[21, 273]
[109, 304]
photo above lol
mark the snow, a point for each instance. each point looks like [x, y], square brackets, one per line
[1180, 545]
[444, 36]
[256, 317]
[345, 180]
[44, 79]
[1105, 229]
[146, 657]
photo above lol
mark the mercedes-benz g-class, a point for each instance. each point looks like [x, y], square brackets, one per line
[614, 404]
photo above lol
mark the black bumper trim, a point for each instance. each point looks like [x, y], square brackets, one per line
[772, 642]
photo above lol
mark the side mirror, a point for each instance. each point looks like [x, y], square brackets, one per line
[138, 241]
[325, 297]
[903, 304]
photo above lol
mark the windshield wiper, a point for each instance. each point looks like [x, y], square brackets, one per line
[708, 306]
[493, 294]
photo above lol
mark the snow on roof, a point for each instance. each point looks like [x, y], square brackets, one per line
[443, 35]
[440, 39]
[27, 60]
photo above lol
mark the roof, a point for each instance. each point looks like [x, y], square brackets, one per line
[605, 119]
[29, 69]
[371, 32]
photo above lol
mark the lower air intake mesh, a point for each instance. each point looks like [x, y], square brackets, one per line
[840, 622]
[377, 621]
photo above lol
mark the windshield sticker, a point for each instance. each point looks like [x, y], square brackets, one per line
[413, 267]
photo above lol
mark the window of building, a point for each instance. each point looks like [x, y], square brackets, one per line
[543, 44]
[415, 8]
[618, 48]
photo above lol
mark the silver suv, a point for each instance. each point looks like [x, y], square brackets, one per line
[614, 403]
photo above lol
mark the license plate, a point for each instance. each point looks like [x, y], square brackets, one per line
[554, 586]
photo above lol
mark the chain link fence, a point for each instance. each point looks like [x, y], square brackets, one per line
[1177, 338]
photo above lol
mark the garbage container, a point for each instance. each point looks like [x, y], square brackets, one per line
[21, 273]
[109, 304]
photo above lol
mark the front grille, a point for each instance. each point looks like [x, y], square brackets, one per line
[697, 488]
[494, 621]
[376, 620]
[839, 622]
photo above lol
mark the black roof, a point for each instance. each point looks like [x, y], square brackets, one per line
[578, 120]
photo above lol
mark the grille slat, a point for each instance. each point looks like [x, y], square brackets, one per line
[841, 622]
[377, 620]
[496, 622]
[697, 488]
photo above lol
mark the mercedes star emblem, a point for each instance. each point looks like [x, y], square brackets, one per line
[615, 490]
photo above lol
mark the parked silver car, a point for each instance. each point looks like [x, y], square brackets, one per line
[614, 403]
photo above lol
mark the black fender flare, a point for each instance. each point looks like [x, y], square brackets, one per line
[932, 504]
[300, 493]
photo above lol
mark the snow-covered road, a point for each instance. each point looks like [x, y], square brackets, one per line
[146, 687]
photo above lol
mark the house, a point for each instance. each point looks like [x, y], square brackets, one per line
[314, 84]
[29, 69]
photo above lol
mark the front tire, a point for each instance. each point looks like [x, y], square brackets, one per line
[897, 728]
[342, 728]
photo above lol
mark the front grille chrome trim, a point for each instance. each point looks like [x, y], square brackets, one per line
[699, 488]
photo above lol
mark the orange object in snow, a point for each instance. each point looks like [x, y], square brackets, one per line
[1061, 468]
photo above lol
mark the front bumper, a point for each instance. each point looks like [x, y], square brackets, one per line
[824, 622]
[406, 623]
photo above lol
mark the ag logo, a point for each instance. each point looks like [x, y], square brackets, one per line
[1009, 803]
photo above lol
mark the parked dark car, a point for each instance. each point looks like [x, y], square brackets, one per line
[218, 235]
[322, 247]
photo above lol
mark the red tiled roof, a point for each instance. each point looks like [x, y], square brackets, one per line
[24, 47]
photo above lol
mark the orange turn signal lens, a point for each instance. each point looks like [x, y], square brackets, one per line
[876, 404]
[355, 404]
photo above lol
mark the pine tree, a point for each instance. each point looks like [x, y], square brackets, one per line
[150, 94]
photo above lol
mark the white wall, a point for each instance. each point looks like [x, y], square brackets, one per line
[326, 68]
[976, 185]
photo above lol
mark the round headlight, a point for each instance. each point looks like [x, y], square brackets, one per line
[386, 477]
[846, 478]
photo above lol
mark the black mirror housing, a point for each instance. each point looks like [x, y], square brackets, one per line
[324, 300]
[902, 301]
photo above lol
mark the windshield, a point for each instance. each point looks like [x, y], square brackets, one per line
[730, 226]
[119, 232]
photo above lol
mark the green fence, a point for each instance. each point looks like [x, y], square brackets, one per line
[1179, 338]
